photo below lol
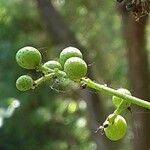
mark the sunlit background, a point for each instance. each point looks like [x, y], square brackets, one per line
[55, 116]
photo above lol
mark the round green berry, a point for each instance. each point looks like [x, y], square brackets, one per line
[24, 83]
[28, 57]
[68, 53]
[116, 100]
[115, 130]
[75, 68]
[52, 64]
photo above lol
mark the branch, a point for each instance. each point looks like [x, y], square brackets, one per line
[110, 91]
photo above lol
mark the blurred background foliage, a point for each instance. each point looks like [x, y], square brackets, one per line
[50, 118]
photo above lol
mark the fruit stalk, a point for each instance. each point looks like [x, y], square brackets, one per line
[44, 69]
[110, 91]
[43, 79]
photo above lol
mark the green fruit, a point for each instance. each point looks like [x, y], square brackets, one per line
[116, 100]
[52, 64]
[28, 57]
[68, 53]
[116, 130]
[75, 68]
[24, 83]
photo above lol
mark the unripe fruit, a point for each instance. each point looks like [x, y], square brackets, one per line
[75, 68]
[116, 100]
[116, 130]
[24, 83]
[52, 64]
[28, 57]
[68, 53]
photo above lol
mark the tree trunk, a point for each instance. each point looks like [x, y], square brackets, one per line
[65, 37]
[134, 34]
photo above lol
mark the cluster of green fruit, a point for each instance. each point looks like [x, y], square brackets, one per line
[70, 61]
[69, 65]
